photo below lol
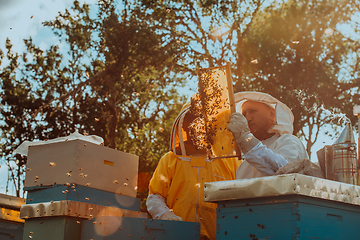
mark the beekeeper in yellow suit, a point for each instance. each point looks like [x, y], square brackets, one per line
[176, 190]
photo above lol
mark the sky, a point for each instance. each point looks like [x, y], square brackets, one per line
[21, 19]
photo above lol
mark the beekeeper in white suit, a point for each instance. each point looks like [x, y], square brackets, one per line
[263, 127]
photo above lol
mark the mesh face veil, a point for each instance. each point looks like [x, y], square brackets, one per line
[183, 135]
[283, 115]
[181, 142]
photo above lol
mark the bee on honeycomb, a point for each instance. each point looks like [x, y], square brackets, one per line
[207, 104]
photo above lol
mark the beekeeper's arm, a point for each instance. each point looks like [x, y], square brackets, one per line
[159, 187]
[256, 153]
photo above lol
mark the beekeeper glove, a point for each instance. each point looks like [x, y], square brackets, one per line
[170, 216]
[239, 127]
[156, 206]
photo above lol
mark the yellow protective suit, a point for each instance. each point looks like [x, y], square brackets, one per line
[180, 179]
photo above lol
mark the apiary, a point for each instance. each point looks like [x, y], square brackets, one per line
[290, 206]
[82, 163]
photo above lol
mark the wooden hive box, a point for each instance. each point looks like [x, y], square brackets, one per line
[82, 163]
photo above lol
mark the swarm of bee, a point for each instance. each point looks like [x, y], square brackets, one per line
[210, 100]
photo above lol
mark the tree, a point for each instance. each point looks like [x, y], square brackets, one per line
[294, 54]
[207, 29]
[30, 103]
[16, 103]
[273, 50]
[118, 81]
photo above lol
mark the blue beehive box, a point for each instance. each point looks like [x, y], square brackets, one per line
[114, 228]
[68, 220]
[291, 206]
[72, 192]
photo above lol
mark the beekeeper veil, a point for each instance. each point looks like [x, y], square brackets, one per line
[283, 115]
[181, 141]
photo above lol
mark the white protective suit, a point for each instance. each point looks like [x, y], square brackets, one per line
[275, 152]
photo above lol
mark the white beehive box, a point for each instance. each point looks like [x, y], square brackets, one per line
[82, 163]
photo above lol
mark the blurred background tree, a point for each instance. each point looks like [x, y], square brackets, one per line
[118, 80]
[296, 52]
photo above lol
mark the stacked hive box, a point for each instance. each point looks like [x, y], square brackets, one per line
[81, 190]
[291, 206]
[11, 225]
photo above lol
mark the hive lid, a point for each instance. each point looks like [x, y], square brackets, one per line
[287, 184]
[11, 202]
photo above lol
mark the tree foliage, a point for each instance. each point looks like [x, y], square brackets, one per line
[293, 50]
[118, 80]
[296, 54]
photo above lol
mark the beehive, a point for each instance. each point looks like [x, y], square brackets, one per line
[82, 163]
[290, 206]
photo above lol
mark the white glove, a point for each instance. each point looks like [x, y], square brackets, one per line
[239, 127]
[156, 206]
[170, 216]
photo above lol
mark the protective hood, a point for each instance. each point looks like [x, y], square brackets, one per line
[181, 143]
[283, 115]
[178, 134]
